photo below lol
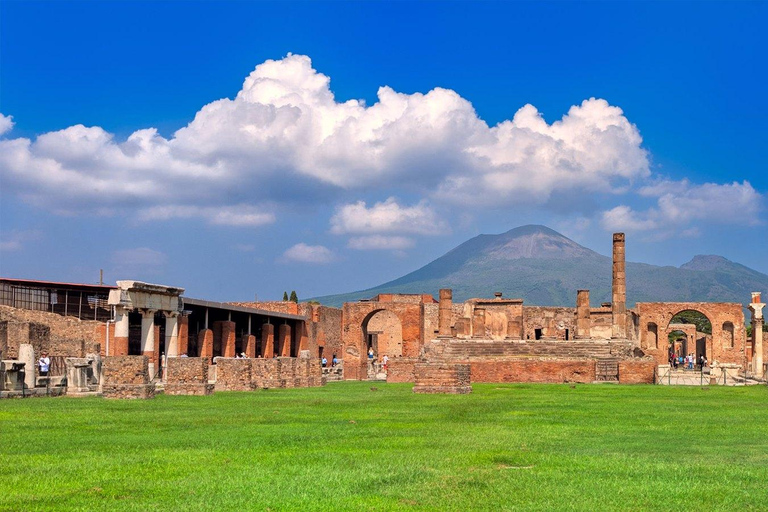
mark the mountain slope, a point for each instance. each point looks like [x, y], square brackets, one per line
[543, 267]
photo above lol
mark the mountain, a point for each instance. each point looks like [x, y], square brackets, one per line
[545, 268]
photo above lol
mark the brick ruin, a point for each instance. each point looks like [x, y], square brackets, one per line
[499, 339]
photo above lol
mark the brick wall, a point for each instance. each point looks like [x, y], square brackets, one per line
[640, 371]
[67, 336]
[126, 377]
[400, 369]
[521, 370]
[187, 376]
[442, 378]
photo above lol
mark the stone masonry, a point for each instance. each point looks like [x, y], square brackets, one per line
[187, 376]
[442, 378]
[126, 377]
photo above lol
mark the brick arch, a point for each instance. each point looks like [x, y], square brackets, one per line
[355, 316]
[719, 346]
[391, 343]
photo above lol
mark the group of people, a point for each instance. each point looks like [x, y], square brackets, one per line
[334, 361]
[687, 362]
[384, 360]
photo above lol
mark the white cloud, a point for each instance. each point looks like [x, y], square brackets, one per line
[304, 253]
[17, 240]
[284, 129]
[238, 215]
[680, 204]
[6, 124]
[386, 217]
[380, 242]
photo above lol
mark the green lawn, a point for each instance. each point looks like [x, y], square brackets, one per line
[350, 447]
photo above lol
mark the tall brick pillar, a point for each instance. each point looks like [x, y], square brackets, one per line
[583, 320]
[227, 333]
[183, 339]
[268, 341]
[303, 337]
[756, 307]
[148, 338]
[478, 323]
[284, 340]
[205, 342]
[619, 300]
[120, 343]
[250, 346]
[444, 313]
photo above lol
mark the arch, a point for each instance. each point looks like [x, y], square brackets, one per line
[383, 333]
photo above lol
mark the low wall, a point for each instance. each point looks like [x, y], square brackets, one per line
[126, 377]
[641, 371]
[442, 378]
[233, 374]
[528, 370]
[279, 372]
[187, 376]
[400, 369]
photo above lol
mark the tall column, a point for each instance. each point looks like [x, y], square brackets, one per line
[583, 320]
[148, 338]
[27, 356]
[205, 342]
[171, 334]
[756, 307]
[444, 313]
[226, 329]
[120, 343]
[267, 341]
[183, 337]
[284, 340]
[250, 345]
[619, 300]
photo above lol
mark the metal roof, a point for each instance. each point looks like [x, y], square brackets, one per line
[54, 284]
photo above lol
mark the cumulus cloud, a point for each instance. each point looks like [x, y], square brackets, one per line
[380, 242]
[304, 253]
[285, 130]
[681, 203]
[6, 124]
[386, 217]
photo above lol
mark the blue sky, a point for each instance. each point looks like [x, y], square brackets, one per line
[329, 147]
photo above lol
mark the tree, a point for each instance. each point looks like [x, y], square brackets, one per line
[294, 297]
[285, 296]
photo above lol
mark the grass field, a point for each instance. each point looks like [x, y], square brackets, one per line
[348, 447]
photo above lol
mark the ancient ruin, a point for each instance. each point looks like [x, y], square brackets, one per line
[137, 339]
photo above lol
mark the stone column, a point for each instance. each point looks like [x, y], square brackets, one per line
[619, 300]
[205, 342]
[227, 337]
[284, 340]
[478, 323]
[120, 343]
[583, 319]
[27, 356]
[148, 338]
[267, 341]
[756, 307]
[171, 334]
[444, 313]
[303, 336]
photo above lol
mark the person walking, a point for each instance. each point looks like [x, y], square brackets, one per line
[44, 364]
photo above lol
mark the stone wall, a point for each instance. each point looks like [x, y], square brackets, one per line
[400, 369]
[542, 371]
[187, 376]
[126, 377]
[442, 378]
[553, 322]
[638, 371]
[233, 374]
[66, 336]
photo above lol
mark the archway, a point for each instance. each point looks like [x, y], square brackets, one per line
[699, 331]
[383, 333]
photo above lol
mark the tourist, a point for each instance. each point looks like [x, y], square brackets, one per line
[334, 361]
[243, 356]
[370, 354]
[44, 363]
[385, 360]
[184, 355]
[325, 362]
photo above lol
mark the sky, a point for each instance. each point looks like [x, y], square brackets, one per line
[242, 149]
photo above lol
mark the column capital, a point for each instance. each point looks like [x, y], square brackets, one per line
[757, 309]
[145, 312]
[170, 314]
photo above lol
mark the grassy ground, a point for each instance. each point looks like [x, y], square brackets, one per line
[348, 447]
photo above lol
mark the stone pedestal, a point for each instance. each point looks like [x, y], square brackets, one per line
[12, 372]
[78, 370]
